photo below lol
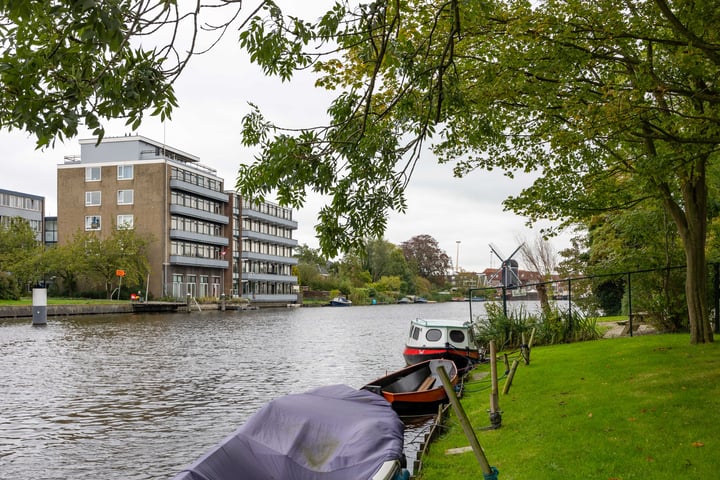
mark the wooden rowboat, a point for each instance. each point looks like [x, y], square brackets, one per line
[417, 389]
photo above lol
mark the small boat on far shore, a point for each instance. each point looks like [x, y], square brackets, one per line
[340, 302]
[417, 389]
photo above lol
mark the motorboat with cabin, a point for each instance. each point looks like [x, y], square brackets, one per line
[340, 302]
[442, 338]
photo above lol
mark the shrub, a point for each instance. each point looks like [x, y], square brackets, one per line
[552, 327]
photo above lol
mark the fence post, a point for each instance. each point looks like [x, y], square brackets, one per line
[716, 296]
[630, 325]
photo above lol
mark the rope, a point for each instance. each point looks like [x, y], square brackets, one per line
[493, 475]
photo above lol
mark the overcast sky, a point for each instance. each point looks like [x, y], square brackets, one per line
[213, 96]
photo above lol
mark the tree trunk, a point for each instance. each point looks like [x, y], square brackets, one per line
[692, 226]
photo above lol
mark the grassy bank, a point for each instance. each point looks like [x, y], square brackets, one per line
[61, 301]
[646, 407]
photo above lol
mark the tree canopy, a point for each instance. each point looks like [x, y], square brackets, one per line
[611, 103]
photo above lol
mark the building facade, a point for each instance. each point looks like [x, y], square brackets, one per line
[203, 241]
[23, 205]
[164, 194]
[262, 252]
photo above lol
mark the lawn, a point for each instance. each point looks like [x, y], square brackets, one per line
[646, 407]
[61, 301]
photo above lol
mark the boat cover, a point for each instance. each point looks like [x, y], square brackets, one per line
[330, 433]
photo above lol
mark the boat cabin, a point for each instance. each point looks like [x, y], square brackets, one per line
[443, 338]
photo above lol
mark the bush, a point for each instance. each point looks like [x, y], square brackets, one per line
[550, 328]
[8, 287]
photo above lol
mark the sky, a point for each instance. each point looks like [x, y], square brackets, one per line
[465, 215]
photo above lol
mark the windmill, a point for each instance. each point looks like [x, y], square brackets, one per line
[508, 271]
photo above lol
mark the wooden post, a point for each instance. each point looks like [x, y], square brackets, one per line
[524, 352]
[508, 382]
[464, 422]
[495, 418]
[529, 347]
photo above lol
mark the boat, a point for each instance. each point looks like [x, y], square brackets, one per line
[451, 339]
[417, 389]
[330, 433]
[340, 302]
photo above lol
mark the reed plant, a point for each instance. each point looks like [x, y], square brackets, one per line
[551, 326]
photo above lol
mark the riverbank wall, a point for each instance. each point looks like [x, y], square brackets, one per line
[26, 311]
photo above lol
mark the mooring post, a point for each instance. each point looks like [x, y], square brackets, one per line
[495, 417]
[465, 423]
[511, 375]
[39, 306]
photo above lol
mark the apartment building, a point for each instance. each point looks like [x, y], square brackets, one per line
[23, 205]
[262, 252]
[164, 194]
[204, 241]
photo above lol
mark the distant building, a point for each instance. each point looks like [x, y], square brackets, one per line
[262, 252]
[164, 194]
[23, 205]
[51, 232]
[204, 241]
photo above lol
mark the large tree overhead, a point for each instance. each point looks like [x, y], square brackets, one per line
[66, 63]
[611, 102]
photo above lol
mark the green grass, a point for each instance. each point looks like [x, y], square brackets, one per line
[646, 407]
[62, 301]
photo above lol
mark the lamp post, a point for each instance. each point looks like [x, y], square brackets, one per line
[457, 257]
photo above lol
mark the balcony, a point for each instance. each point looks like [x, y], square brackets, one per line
[268, 277]
[270, 219]
[198, 237]
[264, 237]
[198, 262]
[176, 184]
[201, 214]
[269, 258]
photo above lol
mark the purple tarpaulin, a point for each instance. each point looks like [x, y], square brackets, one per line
[330, 433]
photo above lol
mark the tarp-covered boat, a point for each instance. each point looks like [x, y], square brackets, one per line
[417, 389]
[329, 433]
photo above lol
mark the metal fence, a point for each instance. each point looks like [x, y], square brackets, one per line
[572, 289]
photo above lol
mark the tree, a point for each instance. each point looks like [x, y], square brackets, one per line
[611, 102]
[540, 257]
[18, 249]
[70, 62]
[424, 252]
[123, 250]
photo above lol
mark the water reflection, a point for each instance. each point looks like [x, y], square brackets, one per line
[140, 396]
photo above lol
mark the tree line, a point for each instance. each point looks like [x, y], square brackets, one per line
[86, 261]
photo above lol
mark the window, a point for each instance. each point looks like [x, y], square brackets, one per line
[92, 222]
[125, 197]
[92, 199]
[433, 335]
[457, 336]
[92, 174]
[125, 172]
[125, 222]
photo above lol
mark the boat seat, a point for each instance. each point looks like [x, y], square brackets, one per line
[427, 384]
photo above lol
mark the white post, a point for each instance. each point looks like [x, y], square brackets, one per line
[39, 306]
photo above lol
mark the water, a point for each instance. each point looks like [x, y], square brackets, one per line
[141, 396]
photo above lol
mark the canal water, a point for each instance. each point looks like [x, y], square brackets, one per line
[140, 396]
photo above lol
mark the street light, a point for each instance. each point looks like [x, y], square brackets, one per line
[457, 257]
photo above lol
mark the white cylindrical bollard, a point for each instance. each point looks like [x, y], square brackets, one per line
[39, 306]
